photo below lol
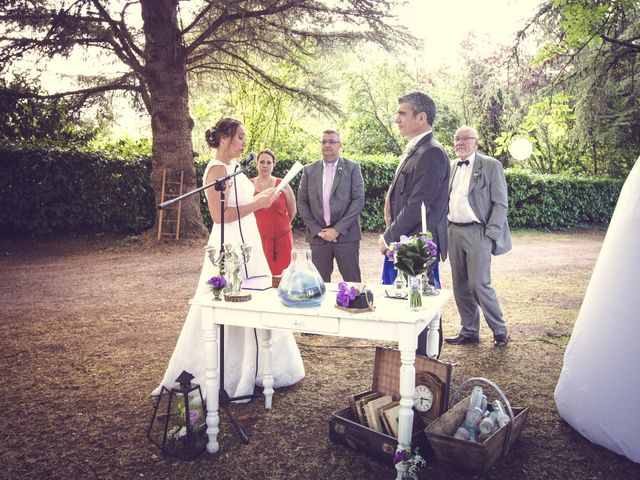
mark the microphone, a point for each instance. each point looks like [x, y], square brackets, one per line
[247, 160]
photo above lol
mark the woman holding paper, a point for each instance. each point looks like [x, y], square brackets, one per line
[243, 370]
[274, 222]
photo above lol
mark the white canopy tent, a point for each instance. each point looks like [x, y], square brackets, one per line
[598, 392]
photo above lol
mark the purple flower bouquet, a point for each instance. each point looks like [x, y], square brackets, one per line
[216, 284]
[352, 298]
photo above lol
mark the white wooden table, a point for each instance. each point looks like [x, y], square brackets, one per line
[391, 321]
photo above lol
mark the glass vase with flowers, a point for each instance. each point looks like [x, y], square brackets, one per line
[412, 256]
[217, 284]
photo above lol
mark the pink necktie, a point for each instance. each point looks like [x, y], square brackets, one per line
[326, 193]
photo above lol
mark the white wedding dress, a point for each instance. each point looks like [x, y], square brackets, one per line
[240, 372]
[598, 390]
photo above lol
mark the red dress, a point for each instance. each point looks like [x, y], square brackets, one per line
[275, 230]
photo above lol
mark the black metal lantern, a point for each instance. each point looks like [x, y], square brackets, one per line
[178, 426]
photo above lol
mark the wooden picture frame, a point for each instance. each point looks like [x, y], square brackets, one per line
[371, 411]
[390, 414]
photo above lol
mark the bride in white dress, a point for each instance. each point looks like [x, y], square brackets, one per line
[241, 344]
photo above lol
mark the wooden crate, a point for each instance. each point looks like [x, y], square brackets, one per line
[470, 456]
[346, 430]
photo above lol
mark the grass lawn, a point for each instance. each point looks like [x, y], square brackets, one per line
[88, 325]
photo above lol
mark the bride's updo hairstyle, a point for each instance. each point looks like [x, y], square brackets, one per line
[226, 127]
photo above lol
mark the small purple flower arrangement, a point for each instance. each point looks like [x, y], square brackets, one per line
[353, 298]
[412, 255]
[411, 463]
[216, 284]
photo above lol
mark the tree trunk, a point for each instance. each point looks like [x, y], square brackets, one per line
[171, 124]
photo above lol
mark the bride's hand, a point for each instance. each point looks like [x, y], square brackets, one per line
[265, 198]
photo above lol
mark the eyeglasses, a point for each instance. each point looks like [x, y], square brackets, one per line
[329, 142]
[463, 139]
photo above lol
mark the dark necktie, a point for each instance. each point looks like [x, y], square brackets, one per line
[463, 162]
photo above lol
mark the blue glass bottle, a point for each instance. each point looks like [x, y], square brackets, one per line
[301, 284]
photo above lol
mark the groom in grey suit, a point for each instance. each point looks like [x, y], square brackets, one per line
[422, 178]
[478, 228]
[330, 199]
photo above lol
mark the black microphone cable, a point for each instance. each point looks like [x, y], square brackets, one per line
[235, 190]
[246, 271]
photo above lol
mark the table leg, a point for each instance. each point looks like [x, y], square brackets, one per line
[433, 336]
[267, 376]
[212, 377]
[407, 344]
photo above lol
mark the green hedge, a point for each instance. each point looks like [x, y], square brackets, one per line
[548, 202]
[45, 191]
[560, 202]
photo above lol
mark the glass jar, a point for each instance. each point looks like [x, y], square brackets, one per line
[414, 283]
[301, 284]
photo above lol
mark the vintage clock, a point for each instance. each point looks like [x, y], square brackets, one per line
[423, 398]
[428, 395]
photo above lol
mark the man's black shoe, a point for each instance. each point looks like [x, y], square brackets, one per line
[461, 340]
[500, 340]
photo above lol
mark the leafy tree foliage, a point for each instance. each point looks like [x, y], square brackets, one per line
[39, 122]
[159, 44]
[547, 125]
[273, 118]
[372, 105]
[483, 94]
[591, 53]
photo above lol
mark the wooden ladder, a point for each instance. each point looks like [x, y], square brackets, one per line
[169, 218]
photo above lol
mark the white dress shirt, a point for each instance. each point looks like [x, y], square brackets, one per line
[459, 209]
[410, 145]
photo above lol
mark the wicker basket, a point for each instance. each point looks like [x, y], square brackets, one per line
[470, 456]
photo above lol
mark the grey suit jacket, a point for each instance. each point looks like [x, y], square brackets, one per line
[488, 200]
[423, 177]
[347, 201]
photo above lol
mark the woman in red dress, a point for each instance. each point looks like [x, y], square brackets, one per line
[274, 223]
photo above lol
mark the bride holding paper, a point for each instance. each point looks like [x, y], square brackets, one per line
[243, 368]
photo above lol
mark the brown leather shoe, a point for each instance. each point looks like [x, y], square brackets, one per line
[461, 340]
[500, 340]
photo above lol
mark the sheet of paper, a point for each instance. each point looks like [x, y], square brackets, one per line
[257, 283]
[293, 171]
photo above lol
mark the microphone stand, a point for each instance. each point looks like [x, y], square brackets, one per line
[243, 164]
[223, 397]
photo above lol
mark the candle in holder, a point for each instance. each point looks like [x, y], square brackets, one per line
[423, 214]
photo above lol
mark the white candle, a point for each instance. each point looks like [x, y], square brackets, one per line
[423, 214]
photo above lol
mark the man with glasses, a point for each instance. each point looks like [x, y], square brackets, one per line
[477, 229]
[422, 177]
[330, 199]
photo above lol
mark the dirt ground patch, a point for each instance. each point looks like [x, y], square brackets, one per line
[88, 325]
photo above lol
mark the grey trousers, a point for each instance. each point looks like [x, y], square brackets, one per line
[347, 257]
[470, 259]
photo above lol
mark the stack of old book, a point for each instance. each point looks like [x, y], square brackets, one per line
[377, 411]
